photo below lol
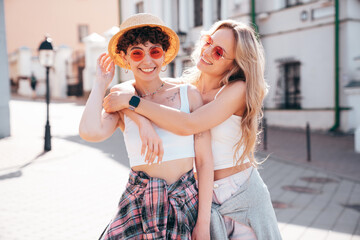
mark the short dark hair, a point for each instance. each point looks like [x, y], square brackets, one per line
[141, 35]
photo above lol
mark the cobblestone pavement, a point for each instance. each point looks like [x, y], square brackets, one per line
[71, 192]
[333, 152]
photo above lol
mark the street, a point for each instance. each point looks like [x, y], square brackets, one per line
[71, 192]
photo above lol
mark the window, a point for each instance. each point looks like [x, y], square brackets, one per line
[218, 10]
[83, 31]
[172, 69]
[290, 3]
[176, 15]
[198, 12]
[186, 64]
[140, 7]
[288, 94]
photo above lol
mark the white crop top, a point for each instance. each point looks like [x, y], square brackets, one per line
[175, 146]
[223, 140]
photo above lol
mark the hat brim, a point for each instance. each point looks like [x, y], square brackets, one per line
[170, 54]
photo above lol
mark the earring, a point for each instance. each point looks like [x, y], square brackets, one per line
[127, 66]
[164, 69]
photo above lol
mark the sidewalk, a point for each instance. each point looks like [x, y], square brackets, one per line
[331, 152]
[72, 191]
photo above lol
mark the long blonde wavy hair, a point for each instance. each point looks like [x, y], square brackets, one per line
[249, 66]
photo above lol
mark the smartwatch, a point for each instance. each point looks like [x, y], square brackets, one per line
[134, 102]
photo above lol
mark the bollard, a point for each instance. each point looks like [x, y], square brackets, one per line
[308, 147]
[264, 134]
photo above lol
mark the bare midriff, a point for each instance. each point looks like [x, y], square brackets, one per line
[170, 171]
[226, 172]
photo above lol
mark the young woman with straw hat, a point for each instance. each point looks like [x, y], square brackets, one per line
[229, 73]
[161, 200]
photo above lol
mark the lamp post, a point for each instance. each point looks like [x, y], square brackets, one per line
[46, 58]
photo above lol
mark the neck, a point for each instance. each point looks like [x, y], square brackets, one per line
[146, 87]
[207, 83]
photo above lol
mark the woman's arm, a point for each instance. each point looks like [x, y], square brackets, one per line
[205, 171]
[151, 142]
[97, 125]
[230, 101]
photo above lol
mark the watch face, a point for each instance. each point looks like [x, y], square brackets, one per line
[134, 101]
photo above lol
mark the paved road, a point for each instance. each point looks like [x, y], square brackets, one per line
[72, 191]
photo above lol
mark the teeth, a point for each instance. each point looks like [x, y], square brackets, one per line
[147, 69]
[205, 60]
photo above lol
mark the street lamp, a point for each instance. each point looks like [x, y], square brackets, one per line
[46, 58]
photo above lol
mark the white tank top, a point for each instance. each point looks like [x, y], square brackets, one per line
[223, 140]
[175, 146]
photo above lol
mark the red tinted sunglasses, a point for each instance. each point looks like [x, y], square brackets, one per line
[139, 54]
[217, 52]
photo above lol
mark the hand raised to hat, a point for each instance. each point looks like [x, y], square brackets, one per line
[105, 70]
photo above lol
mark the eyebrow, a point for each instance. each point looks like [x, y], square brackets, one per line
[218, 45]
[135, 47]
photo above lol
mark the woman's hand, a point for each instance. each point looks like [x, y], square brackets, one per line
[201, 232]
[151, 143]
[116, 101]
[105, 69]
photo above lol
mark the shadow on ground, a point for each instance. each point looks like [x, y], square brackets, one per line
[114, 147]
[16, 171]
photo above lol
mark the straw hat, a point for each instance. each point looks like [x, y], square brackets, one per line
[142, 20]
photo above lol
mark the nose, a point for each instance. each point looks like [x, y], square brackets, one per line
[147, 58]
[207, 51]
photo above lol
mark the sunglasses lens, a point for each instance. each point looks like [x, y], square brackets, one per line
[137, 55]
[217, 53]
[206, 41]
[156, 52]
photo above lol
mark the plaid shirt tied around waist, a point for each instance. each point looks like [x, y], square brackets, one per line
[151, 209]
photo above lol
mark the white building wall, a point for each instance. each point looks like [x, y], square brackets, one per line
[40, 74]
[185, 14]
[311, 42]
[350, 46]
[303, 33]
[207, 13]
[24, 63]
[58, 82]
[313, 48]
[95, 45]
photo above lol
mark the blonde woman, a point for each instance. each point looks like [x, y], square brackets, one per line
[161, 201]
[229, 74]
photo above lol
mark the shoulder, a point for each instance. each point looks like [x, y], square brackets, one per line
[123, 85]
[237, 86]
[234, 90]
[194, 96]
[192, 90]
[173, 80]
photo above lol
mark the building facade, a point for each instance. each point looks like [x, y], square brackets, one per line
[312, 54]
[303, 50]
[67, 22]
[299, 37]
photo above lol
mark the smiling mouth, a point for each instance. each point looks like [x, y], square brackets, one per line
[204, 60]
[147, 70]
